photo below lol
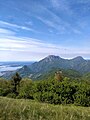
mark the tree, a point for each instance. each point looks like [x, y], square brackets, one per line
[16, 82]
[58, 76]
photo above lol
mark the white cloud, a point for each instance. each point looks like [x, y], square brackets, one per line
[26, 44]
[14, 48]
[60, 26]
[10, 25]
[6, 32]
[56, 22]
[62, 5]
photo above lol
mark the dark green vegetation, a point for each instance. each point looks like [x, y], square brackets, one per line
[68, 91]
[16, 83]
[38, 70]
[20, 109]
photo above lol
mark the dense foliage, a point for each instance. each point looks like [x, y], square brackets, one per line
[50, 91]
[16, 82]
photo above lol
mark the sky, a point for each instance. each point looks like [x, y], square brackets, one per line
[33, 29]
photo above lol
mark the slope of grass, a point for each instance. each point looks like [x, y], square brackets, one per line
[21, 109]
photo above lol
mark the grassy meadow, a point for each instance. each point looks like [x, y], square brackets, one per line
[21, 109]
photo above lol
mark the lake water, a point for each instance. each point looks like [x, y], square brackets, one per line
[9, 68]
[12, 66]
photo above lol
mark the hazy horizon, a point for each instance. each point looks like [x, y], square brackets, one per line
[30, 30]
[41, 59]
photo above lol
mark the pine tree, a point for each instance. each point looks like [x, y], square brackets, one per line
[16, 82]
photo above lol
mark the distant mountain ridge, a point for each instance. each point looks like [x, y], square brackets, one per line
[77, 63]
[52, 62]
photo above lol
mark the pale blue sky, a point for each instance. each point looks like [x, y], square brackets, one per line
[33, 29]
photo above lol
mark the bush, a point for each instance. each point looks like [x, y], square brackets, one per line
[82, 95]
[5, 87]
[50, 91]
[26, 89]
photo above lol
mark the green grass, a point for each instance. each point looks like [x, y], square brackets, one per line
[20, 109]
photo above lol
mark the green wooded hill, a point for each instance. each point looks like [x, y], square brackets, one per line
[86, 76]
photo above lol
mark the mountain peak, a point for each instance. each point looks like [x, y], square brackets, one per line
[53, 56]
[50, 58]
[78, 59]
